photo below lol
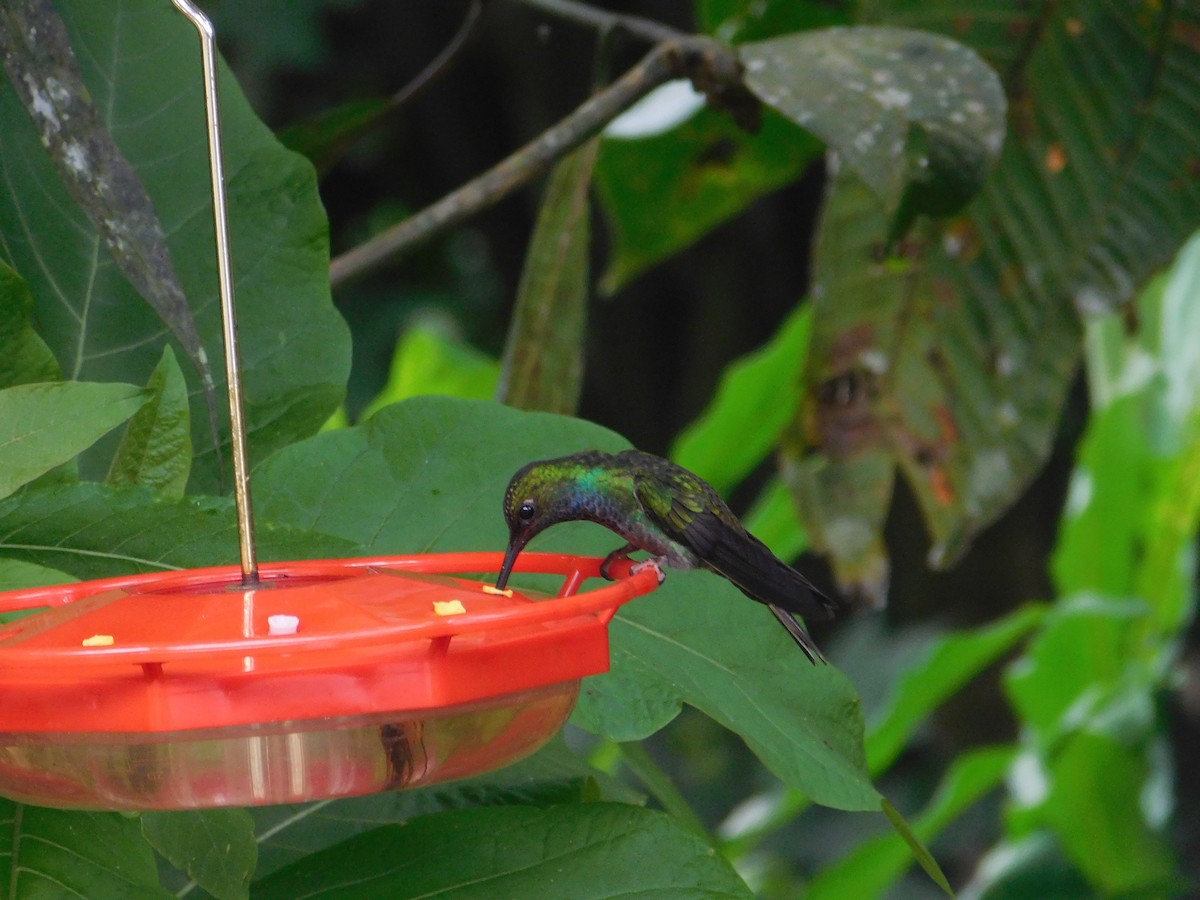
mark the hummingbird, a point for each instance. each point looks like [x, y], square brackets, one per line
[660, 507]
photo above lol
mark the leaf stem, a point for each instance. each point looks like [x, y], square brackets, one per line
[603, 20]
[661, 787]
[441, 64]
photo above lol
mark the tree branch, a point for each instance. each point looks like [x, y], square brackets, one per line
[713, 68]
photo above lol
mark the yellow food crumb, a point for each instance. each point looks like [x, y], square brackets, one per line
[488, 589]
[448, 607]
[99, 640]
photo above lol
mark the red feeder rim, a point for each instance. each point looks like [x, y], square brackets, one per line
[173, 651]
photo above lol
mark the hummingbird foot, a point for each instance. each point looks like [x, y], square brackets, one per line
[619, 555]
[656, 563]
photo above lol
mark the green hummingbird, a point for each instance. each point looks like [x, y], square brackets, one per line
[660, 507]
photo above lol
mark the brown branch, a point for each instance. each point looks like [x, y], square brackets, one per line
[712, 67]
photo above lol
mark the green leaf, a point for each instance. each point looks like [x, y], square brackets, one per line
[589, 850]
[662, 190]
[917, 685]
[748, 20]
[142, 69]
[24, 357]
[755, 400]
[1095, 807]
[157, 447]
[1134, 501]
[953, 359]
[949, 665]
[698, 640]
[43, 70]
[325, 137]
[695, 640]
[900, 107]
[1079, 662]
[550, 776]
[66, 853]
[45, 425]
[16, 575]
[215, 847]
[874, 866]
[1031, 866]
[97, 531]
[543, 356]
[430, 361]
[1101, 543]
[449, 458]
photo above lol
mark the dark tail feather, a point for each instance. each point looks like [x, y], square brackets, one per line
[762, 576]
[801, 637]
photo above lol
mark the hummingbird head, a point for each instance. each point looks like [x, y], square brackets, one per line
[540, 494]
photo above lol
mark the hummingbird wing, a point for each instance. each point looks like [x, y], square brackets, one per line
[691, 511]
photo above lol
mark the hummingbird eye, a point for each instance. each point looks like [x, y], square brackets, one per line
[526, 512]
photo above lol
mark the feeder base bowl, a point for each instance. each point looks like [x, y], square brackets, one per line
[285, 762]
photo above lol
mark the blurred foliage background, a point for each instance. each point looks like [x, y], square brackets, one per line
[798, 315]
[659, 337]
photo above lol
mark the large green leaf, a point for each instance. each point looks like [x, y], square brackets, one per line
[698, 641]
[215, 847]
[429, 474]
[140, 61]
[44, 425]
[61, 853]
[24, 357]
[96, 531]
[951, 360]
[580, 851]
[16, 575]
[44, 72]
[554, 774]
[906, 110]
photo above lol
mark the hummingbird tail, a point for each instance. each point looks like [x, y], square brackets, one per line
[799, 635]
[762, 576]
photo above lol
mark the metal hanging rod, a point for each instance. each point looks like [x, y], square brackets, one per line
[233, 368]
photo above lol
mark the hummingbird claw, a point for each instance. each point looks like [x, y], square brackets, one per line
[621, 554]
[655, 563]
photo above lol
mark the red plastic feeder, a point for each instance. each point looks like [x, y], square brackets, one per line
[186, 689]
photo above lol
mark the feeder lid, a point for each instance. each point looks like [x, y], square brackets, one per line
[173, 651]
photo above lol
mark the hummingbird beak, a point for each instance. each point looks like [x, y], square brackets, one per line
[516, 544]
